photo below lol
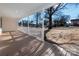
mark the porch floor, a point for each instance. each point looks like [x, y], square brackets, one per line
[20, 44]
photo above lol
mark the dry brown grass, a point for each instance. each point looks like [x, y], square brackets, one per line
[67, 38]
[64, 35]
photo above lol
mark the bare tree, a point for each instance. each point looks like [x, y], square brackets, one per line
[37, 16]
[52, 10]
[64, 19]
[49, 13]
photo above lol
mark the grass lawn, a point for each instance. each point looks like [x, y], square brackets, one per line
[66, 37]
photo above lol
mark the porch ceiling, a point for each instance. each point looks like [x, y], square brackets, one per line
[21, 9]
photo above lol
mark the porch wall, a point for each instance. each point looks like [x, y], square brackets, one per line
[9, 24]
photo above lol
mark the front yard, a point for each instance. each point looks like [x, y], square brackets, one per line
[66, 37]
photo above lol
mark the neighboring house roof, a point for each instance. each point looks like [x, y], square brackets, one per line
[75, 20]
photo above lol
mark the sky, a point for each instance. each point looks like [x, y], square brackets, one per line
[72, 10]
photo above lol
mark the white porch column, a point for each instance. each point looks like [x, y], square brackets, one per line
[0, 31]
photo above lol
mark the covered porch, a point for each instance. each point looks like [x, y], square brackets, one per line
[15, 40]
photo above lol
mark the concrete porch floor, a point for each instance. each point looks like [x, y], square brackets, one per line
[21, 44]
[17, 43]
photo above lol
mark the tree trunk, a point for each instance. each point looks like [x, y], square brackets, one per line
[50, 22]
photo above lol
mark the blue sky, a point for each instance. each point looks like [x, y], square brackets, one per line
[71, 10]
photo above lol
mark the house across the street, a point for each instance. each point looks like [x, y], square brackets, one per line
[75, 22]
